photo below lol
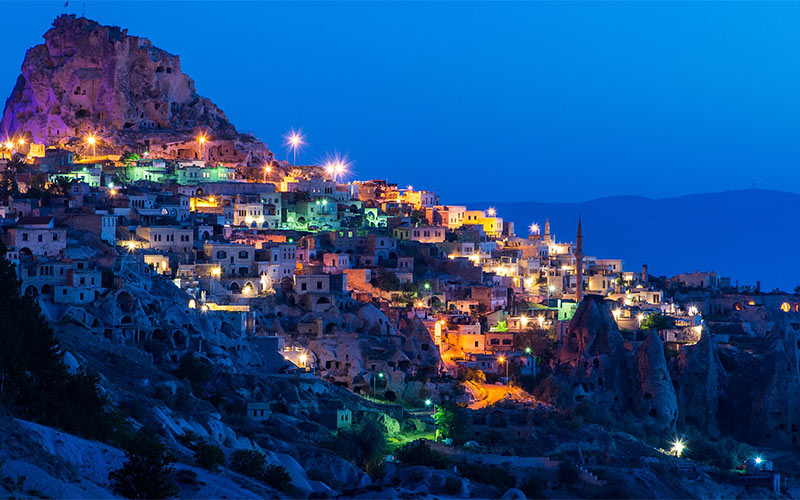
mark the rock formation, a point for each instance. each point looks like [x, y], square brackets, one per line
[654, 397]
[93, 79]
[698, 385]
[775, 419]
[594, 355]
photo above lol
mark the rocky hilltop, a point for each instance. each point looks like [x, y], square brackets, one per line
[93, 79]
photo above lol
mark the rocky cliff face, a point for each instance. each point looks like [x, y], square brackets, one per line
[654, 396]
[699, 376]
[775, 418]
[594, 355]
[92, 79]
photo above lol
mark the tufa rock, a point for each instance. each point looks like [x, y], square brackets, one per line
[775, 419]
[654, 397]
[594, 355]
[698, 385]
[93, 79]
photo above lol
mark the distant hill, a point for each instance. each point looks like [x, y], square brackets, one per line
[747, 235]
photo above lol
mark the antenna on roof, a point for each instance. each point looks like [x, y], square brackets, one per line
[83, 13]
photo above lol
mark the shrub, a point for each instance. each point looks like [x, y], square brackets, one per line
[487, 474]
[419, 453]
[209, 456]
[365, 445]
[277, 476]
[253, 463]
[452, 486]
[249, 462]
[568, 474]
[147, 472]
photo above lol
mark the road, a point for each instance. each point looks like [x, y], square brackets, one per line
[494, 393]
[491, 394]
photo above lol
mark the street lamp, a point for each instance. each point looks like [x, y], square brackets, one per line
[380, 375]
[639, 319]
[92, 141]
[491, 212]
[677, 447]
[267, 170]
[534, 228]
[294, 140]
[501, 360]
[201, 141]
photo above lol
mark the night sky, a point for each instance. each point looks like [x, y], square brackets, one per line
[537, 101]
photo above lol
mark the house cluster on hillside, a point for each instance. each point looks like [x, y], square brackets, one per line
[225, 240]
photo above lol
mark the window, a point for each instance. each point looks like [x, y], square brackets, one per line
[319, 285]
[24, 236]
[55, 236]
[39, 238]
[303, 286]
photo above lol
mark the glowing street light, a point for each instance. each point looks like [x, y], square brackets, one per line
[639, 318]
[201, 141]
[501, 360]
[267, 170]
[428, 402]
[540, 319]
[21, 142]
[534, 228]
[758, 460]
[677, 447]
[294, 140]
[380, 375]
[9, 145]
[303, 360]
[491, 212]
[616, 313]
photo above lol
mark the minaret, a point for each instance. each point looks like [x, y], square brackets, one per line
[579, 263]
[547, 227]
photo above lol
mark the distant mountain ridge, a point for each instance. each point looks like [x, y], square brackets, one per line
[748, 235]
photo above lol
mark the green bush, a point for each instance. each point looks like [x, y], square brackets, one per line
[419, 453]
[364, 445]
[249, 462]
[487, 474]
[253, 463]
[209, 456]
[147, 472]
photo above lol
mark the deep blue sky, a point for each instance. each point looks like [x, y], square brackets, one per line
[562, 101]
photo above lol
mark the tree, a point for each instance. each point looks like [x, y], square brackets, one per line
[386, 280]
[449, 421]
[34, 382]
[208, 455]
[655, 321]
[147, 472]
[129, 158]
[253, 463]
